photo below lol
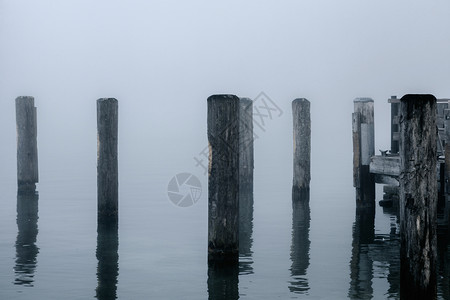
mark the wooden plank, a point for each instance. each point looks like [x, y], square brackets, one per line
[385, 165]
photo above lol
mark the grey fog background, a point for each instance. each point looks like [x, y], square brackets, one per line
[162, 59]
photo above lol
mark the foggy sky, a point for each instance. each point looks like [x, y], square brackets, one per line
[162, 59]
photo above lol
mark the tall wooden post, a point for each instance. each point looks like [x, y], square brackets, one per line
[27, 156]
[447, 163]
[246, 162]
[395, 103]
[447, 147]
[223, 178]
[363, 150]
[302, 148]
[107, 173]
[418, 197]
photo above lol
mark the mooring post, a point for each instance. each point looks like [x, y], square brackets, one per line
[418, 197]
[395, 103]
[447, 163]
[223, 178]
[27, 157]
[363, 150]
[302, 148]
[447, 147]
[246, 161]
[246, 164]
[107, 173]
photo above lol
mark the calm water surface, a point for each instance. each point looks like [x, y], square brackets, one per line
[51, 247]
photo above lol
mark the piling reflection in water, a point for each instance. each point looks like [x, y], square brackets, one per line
[245, 229]
[108, 260]
[223, 281]
[443, 251]
[361, 264]
[26, 249]
[373, 256]
[300, 247]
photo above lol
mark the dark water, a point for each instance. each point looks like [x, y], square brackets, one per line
[51, 247]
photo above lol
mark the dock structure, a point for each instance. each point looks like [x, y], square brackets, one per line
[385, 167]
[415, 172]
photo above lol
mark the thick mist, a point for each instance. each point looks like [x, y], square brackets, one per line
[162, 59]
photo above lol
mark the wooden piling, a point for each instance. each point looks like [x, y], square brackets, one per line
[447, 147]
[107, 173]
[223, 178]
[27, 156]
[418, 197]
[302, 148]
[246, 161]
[395, 103]
[363, 150]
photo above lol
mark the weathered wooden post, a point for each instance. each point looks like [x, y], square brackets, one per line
[223, 178]
[447, 147]
[302, 148]
[363, 149]
[107, 173]
[447, 163]
[246, 164]
[395, 103]
[418, 197]
[246, 161]
[27, 157]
